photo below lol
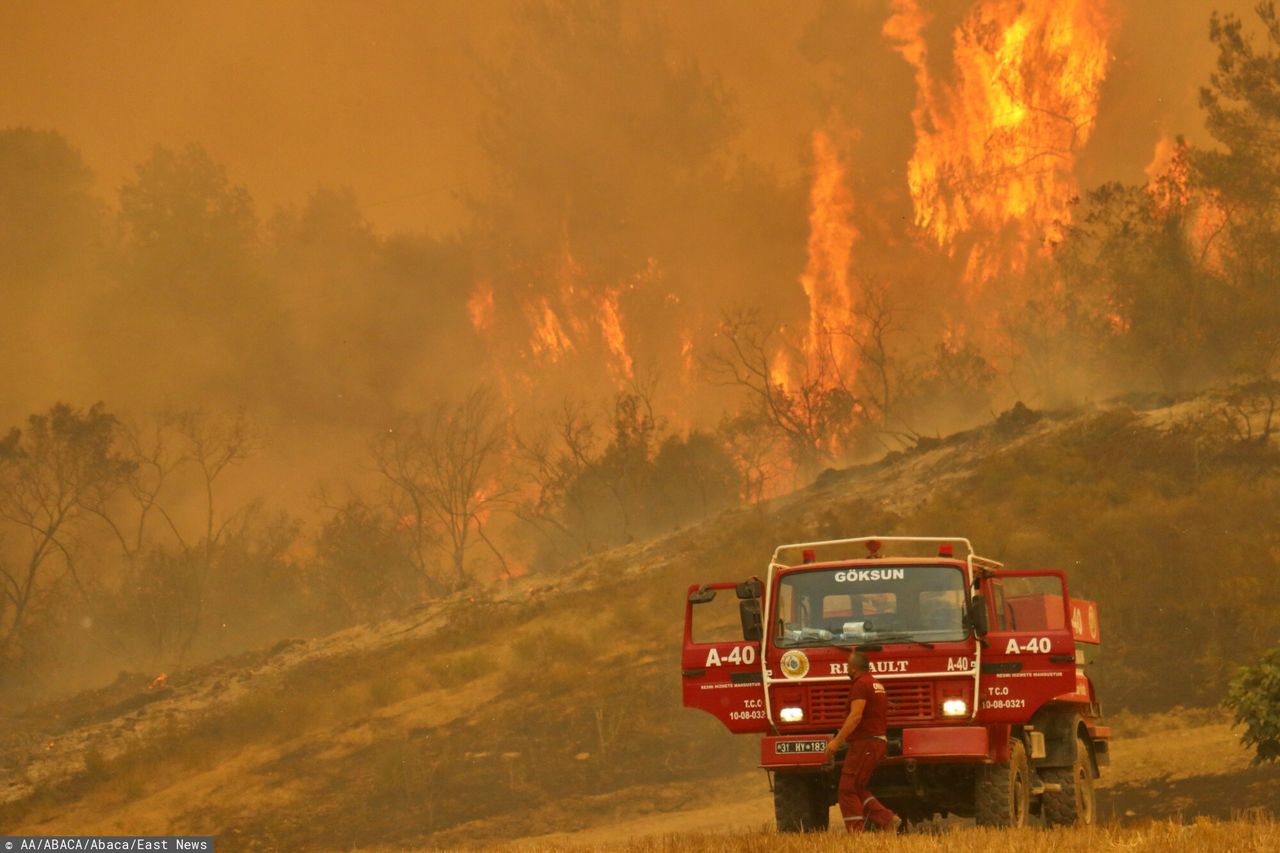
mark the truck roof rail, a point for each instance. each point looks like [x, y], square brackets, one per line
[832, 550]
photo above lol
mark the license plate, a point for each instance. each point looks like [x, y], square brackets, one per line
[796, 747]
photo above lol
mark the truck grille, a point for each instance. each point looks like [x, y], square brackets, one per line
[909, 702]
[828, 703]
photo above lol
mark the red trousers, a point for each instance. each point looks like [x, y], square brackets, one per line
[857, 804]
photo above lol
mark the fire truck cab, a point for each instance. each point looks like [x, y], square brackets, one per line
[992, 714]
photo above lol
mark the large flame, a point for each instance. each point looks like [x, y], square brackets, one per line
[830, 345]
[992, 170]
[565, 314]
[549, 339]
[615, 338]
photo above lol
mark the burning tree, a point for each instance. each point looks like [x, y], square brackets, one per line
[811, 407]
[992, 169]
[1242, 114]
[442, 469]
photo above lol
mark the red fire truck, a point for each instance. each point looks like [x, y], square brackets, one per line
[992, 713]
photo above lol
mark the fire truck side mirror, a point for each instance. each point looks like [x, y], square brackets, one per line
[978, 616]
[752, 621]
[752, 588]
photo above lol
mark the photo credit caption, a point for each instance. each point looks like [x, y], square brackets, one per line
[14, 843]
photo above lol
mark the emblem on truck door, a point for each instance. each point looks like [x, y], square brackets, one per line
[795, 664]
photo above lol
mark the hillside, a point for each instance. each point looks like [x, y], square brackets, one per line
[551, 704]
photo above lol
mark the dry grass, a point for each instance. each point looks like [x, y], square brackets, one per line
[1252, 834]
[1177, 718]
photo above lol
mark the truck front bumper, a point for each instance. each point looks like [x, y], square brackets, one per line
[946, 743]
[942, 744]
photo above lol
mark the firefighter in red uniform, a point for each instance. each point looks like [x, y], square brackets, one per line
[865, 733]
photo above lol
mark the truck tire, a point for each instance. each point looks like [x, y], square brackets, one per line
[1076, 803]
[1002, 792]
[800, 803]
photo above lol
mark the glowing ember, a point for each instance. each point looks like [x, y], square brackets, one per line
[996, 146]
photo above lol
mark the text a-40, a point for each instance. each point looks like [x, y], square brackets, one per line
[745, 655]
[1034, 645]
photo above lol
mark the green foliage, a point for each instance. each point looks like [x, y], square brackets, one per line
[1241, 110]
[1242, 113]
[1255, 699]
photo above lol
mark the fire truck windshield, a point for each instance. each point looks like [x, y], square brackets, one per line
[870, 604]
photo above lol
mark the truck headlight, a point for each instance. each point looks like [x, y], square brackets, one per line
[791, 714]
[954, 707]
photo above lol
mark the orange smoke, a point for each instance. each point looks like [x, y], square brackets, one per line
[992, 169]
[829, 346]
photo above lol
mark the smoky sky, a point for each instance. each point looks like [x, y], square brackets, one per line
[383, 96]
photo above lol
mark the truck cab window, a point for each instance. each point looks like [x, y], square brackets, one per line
[842, 606]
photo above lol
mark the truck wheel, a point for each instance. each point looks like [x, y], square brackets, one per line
[1002, 793]
[799, 803]
[1076, 803]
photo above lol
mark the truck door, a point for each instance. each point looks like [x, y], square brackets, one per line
[1029, 655]
[720, 664]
